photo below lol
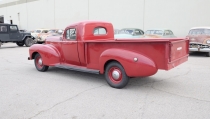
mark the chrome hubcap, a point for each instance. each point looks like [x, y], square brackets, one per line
[40, 61]
[115, 75]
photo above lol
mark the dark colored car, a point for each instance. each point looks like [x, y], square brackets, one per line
[11, 33]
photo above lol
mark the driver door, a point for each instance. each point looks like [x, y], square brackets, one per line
[14, 34]
[69, 47]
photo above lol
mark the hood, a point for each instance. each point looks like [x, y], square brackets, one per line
[53, 38]
[26, 33]
[199, 39]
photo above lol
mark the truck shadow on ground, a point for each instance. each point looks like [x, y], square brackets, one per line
[9, 47]
[99, 78]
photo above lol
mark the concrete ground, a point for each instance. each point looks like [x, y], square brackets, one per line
[25, 93]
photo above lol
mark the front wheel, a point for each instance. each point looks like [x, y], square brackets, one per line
[115, 75]
[29, 42]
[39, 63]
[20, 43]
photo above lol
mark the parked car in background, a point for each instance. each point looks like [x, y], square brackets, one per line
[11, 33]
[129, 33]
[36, 32]
[199, 40]
[159, 33]
[52, 32]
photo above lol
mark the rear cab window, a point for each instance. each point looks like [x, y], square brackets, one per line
[99, 31]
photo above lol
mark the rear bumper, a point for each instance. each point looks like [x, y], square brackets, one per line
[199, 49]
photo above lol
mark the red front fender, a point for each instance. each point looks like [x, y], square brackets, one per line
[143, 67]
[49, 54]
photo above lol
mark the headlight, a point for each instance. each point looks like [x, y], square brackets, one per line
[208, 41]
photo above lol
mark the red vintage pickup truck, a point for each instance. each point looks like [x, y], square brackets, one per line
[90, 46]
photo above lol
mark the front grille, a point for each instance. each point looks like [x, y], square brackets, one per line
[196, 45]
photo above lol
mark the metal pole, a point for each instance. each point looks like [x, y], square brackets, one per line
[143, 12]
[54, 15]
[88, 10]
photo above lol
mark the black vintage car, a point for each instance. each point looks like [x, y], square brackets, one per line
[10, 33]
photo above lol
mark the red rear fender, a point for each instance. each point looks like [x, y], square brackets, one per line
[144, 66]
[49, 54]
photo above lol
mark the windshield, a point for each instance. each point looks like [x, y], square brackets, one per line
[37, 31]
[199, 31]
[154, 32]
[125, 31]
[51, 31]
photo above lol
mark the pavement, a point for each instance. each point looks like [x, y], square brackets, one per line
[25, 93]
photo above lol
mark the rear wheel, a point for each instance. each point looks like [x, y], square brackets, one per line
[207, 54]
[39, 63]
[115, 75]
[20, 43]
[29, 42]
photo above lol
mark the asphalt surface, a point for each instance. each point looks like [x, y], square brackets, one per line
[25, 93]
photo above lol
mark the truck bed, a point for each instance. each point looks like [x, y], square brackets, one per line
[166, 53]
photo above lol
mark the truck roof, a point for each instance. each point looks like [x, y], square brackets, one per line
[88, 22]
[6, 24]
[202, 27]
[87, 29]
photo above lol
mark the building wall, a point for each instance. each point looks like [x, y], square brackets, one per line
[144, 14]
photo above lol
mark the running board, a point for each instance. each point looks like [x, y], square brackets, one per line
[75, 68]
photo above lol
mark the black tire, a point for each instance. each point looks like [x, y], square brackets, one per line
[38, 63]
[29, 42]
[20, 43]
[117, 80]
[207, 54]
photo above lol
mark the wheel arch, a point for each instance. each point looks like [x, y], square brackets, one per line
[34, 54]
[49, 54]
[27, 36]
[109, 61]
[144, 66]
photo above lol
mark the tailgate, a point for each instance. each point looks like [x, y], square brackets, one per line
[178, 52]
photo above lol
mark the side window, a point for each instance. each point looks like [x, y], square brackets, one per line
[166, 33]
[13, 28]
[44, 31]
[99, 31]
[71, 34]
[3, 29]
[171, 33]
[137, 32]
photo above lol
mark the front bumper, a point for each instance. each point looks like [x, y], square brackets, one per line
[199, 49]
